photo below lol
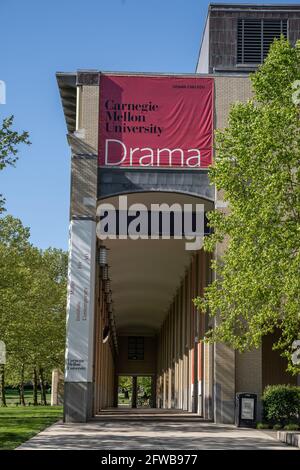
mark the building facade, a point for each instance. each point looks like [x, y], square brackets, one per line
[130, 308]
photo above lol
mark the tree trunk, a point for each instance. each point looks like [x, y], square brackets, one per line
[21, 387]
[43, 388]
[2, 384]
[35, 387]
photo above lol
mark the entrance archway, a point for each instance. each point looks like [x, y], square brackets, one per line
[152, 283]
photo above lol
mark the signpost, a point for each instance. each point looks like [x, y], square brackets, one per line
[245, 415]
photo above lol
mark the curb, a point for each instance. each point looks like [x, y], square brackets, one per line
[292, 438]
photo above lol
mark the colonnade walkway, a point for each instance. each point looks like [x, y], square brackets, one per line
[150, 429]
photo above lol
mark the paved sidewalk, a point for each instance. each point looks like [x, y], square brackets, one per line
[149, 429]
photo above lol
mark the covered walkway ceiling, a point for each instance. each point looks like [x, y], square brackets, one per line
[145, 274]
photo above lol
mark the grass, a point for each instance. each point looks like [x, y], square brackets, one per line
[262, 426]
[18, 424]
[12, 396]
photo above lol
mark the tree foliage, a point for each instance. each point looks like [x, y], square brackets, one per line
[32, 293]
[257, 165]
[9, 142]
[125, 383]
[144, 386]
[32, 304]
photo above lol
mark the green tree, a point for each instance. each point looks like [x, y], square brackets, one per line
[9, 142]
[257, 289]
[32, 308]
[13, 247]
[49, 307]
[144, 385]
[125, 385]
[144, 389]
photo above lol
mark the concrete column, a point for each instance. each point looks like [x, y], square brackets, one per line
[172, 313]
[249, 375]
[202, 281]
[115, 390]
[57, 387]
[208, 350]
[169, 362]
[164, 368]
[101, 354]
[181, 344]
[208, 411]
[105, 374]
[224, 384]
[177, 351]
[194, 336]
[153, 392]
[134, 392]
[185, 350]
[224, 358]
[97, 343]
[78, 397]
[189, 341]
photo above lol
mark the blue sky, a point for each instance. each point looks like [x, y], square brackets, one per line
[39, 38]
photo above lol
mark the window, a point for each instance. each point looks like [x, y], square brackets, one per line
[136, 348]
[255, 37]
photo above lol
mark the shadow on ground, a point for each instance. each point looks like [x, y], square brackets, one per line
[142, 434]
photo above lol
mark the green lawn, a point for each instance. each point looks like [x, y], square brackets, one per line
[12, 396]
[18, 424]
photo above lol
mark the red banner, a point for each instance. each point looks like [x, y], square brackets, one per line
[161, 121]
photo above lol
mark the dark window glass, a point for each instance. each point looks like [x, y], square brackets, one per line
[255, 37]
[136, 348]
